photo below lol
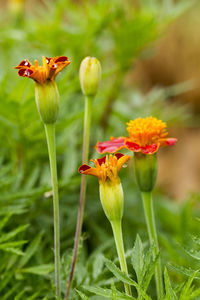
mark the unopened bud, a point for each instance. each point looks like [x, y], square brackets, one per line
[145, 170]
[90, 75]
[47, 100]
[112, 199]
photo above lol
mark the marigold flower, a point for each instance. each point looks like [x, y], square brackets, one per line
[106, 167]
[47, 72]
[46, 92]
[146, 135]
[110, 188]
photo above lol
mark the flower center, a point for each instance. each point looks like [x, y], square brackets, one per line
[146, 131]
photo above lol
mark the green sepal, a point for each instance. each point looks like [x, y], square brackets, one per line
[112, 199]
[145, 166]
[47, 100]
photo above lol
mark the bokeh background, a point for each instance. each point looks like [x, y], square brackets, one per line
[149, 51]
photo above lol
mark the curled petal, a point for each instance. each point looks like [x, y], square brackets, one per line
[148, 149]
[24, 63]
[169, 142]
[101, 160]
[61, 59]
[25, 72]
[111, 146]
[87, 170]
[121, 160]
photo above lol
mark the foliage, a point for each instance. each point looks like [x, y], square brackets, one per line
[117, 33]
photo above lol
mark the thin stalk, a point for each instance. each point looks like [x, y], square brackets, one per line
[86, 141]
[50, 135]
[117, 232]
[150, 220]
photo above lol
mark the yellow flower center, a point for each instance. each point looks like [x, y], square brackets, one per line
[108, 169]
[147, 131]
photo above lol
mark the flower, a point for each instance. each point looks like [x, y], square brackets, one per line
[110, 188]
[146, 135]
[106, 168]
[46, 92]
[47, 72]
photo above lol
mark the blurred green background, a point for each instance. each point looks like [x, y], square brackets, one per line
[149, 53]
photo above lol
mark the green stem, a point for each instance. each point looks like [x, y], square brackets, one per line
[117, 232]
[86, 141]
[50, 135]
[150, 220]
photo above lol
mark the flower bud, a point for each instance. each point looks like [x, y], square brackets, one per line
[47, 100]
[90, 75]
[145, 171]
[112, 199]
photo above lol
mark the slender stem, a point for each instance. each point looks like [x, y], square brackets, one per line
[117, 232]
[86, 141]
[50, 135]
[150, 220]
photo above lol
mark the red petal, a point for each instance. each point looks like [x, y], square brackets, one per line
[61, 59]
[111, 146]
[133, 146]
[23, 63]
[119, 155]
[101, 160]
[170, 141]
[25, 72]
[148, 149]
[83, 168]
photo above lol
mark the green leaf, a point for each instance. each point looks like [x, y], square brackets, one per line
[170, 293]
[83, 296]
[137, 258]
[124, 278]
[12, 233]
[31, 249]
[106, 293]
[185, 271]
[185, 293]
[39, 270]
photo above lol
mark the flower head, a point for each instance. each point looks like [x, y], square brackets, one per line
[47, 72]
[106, 167]
[146, 135]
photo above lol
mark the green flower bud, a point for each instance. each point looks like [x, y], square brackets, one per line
[112, 199]
[90, 75]
[47, 100]
[145, 170]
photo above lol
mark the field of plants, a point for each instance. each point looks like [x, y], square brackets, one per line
[127, 236]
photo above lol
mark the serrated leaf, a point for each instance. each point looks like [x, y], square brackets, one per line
[124, 278]
[106, 293]
[170, 293]
[185, 293]
[137, 258]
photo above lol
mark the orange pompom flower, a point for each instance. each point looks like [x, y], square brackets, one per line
[146, 135]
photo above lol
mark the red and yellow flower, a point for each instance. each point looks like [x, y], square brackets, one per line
[47, 72]
[106, 168]
[146, 135]
[46, 92]
[110, 188]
